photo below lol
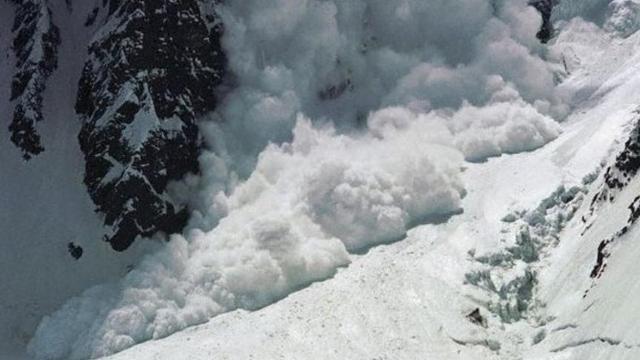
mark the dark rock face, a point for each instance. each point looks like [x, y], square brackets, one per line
[35, 45]
[618, 175]
[627, 162]
[616, 178]
[476, 318]
[545, 8]
[601, 257]
[149, 76]
[75, 251]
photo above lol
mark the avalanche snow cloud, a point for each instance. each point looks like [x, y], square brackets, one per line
[349, 122]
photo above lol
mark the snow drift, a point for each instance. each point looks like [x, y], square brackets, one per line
[436, 82]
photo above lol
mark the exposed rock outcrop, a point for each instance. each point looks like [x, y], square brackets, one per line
[152, 70]
[35, 44]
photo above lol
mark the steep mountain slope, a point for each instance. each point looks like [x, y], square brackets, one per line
[596, 315]
[435, 235]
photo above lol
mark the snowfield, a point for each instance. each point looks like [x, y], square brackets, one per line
[411, 299]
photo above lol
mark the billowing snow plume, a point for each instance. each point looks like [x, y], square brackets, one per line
[371, 108]
[340, 60]
[292, 222]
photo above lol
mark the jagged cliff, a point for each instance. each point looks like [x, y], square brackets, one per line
[152, 70]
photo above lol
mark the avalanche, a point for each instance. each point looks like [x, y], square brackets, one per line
[411, 299]
[430, 99]
[348, 126]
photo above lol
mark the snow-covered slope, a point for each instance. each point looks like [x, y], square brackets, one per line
[412, 299]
